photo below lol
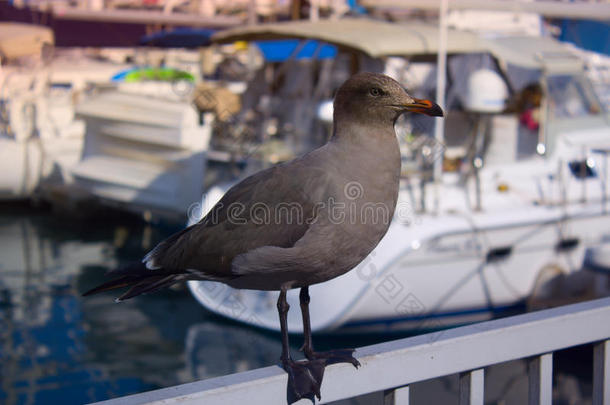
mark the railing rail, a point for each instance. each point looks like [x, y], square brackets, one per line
[392, 366]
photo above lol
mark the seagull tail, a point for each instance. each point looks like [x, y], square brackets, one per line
[140, 280]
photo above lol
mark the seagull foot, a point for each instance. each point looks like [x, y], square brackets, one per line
[333, 356]
[304, 379]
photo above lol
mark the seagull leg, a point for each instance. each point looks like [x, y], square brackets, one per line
[329, 357]
[304, 377]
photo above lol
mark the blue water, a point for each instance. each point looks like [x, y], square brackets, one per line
[57, 347]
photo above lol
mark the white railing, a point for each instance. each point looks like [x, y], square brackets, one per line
[390, 367]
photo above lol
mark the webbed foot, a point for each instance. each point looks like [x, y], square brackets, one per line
[333, 356]
[304, 379]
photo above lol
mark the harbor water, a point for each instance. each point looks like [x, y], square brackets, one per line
[59, 347]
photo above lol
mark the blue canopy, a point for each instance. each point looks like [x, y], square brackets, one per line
[283, 49]
[591, 35]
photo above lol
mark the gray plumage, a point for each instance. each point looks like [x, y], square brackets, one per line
[298, 223]
[306, 228]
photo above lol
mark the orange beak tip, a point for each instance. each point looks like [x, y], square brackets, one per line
[425, 107]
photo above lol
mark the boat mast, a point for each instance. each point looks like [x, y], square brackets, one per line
[441, 74]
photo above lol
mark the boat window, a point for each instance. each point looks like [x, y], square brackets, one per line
[582, 169]
[568, 98]
[521, 77]
[460, 69]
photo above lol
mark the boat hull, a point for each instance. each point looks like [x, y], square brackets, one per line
[419, 279]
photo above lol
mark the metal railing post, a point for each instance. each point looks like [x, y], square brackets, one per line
[601, 373]
[472, 387]
[540, 371]
[396, 396]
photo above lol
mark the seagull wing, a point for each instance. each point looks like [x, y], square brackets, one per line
[274, 207]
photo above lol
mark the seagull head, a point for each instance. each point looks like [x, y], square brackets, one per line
[373, 97]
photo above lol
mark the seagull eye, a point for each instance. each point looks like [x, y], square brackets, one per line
[376, 92]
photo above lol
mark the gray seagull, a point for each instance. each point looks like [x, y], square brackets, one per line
[358, 168]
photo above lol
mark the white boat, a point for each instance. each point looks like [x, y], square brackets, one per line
[145, 148]
[70, 131]
[520, 214]
[40, 137]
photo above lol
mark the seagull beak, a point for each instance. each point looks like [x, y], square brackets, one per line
[424, 107]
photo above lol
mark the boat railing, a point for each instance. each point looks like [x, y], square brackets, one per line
[392, 366]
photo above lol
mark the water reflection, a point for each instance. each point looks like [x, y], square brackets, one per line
[56, 347]
[213, 351]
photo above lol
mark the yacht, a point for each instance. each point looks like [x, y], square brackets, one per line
[508, 212]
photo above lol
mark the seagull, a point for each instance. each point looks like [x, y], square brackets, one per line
[298, 223]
